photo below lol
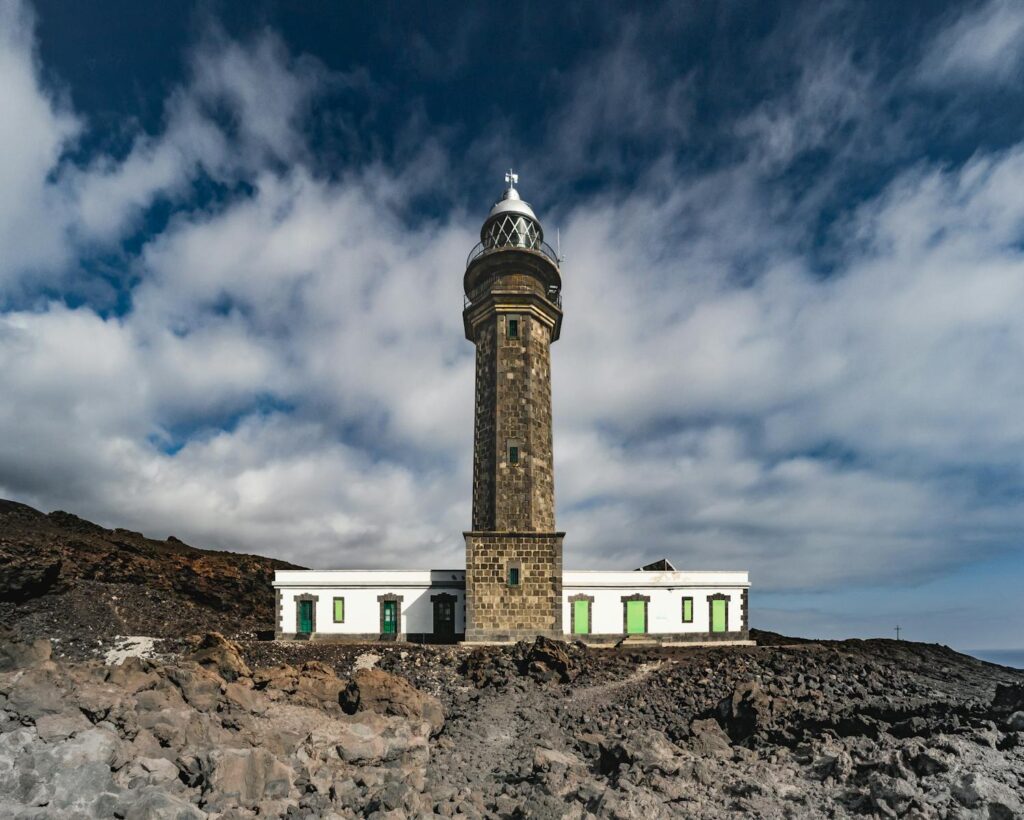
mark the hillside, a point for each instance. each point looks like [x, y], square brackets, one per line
[65, 578]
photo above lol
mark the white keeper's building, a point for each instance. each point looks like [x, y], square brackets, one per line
[513, 586]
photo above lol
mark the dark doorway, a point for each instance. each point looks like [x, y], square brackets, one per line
[444, 618]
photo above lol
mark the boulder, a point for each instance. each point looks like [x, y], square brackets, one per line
[17, 654]
[1009, 698]
[133, 674]
[747, 711]
[370, 738]
[36, 692]
[312, 684]
[378, 691]
[201, 687]
[156, 803]
[549, 660]
[217, 653]
[245, 777]
[651, 750]
[976, 791]
[547, 759]
[52, 728]
[708, 739]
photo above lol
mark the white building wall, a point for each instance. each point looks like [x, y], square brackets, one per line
[360, 589]
[666, 591]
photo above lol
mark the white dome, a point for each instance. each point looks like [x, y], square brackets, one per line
[511, 203]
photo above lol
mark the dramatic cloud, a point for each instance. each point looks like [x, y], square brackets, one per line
[286, 372]
[986, 43]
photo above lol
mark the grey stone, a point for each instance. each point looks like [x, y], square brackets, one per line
[247, 777]
[157, 804]
[708, 738]
[977, 790]
[51, 728]
[16, 654]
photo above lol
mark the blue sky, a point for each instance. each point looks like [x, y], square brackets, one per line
[233, 240]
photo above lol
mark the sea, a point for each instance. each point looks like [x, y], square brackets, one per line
[1004, 657]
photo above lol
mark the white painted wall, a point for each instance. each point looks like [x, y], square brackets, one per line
[360, 589]
[666, 590]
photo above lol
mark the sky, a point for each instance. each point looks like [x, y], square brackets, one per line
[232, 239]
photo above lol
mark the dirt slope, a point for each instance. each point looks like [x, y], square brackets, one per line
[65, 578]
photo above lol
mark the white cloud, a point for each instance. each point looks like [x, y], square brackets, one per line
[716, 401]
[35, 126]
[983, 44]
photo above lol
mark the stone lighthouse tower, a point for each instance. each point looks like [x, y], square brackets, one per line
[513, 314]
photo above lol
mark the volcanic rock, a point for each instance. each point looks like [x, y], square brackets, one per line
[378, 691]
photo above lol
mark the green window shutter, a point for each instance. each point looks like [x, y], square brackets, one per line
[339, 610]
[513, 328]
[581, 617]
[687, 610]
[513, 455]
[513, 576]
[718, 619]
[635, 617]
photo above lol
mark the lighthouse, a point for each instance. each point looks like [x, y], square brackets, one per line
[513, 586]
[512, 314]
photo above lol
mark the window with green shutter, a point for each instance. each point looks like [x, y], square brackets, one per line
[513, 576]
[581, 617]
[339, 610]
[719, 614]
[687, 610]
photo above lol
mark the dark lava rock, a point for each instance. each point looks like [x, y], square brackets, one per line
[64, 577]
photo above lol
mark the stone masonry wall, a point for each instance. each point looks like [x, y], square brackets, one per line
[496, 611]
[513, 407]
[483, 428]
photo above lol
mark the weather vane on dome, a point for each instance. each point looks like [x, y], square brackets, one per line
[511, 178]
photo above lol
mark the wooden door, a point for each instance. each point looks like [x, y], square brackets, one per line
[444, 620]
[581, 617]
[390, 617]
[636, 617]
[305, 617]
[719, 613]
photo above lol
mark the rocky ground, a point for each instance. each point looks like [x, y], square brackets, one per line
[264, 728]
[209, 727]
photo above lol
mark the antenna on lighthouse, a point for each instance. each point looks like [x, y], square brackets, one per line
[511, 178]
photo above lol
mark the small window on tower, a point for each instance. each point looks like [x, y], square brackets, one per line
[687, 610]
[513, 576]
[513, 454]
[513, 328]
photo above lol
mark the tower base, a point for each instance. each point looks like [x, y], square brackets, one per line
[499, 610]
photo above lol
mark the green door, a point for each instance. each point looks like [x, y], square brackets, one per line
[390, 617]
[581, 617]
[718, 619]
[305, 616]
[635, 617]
